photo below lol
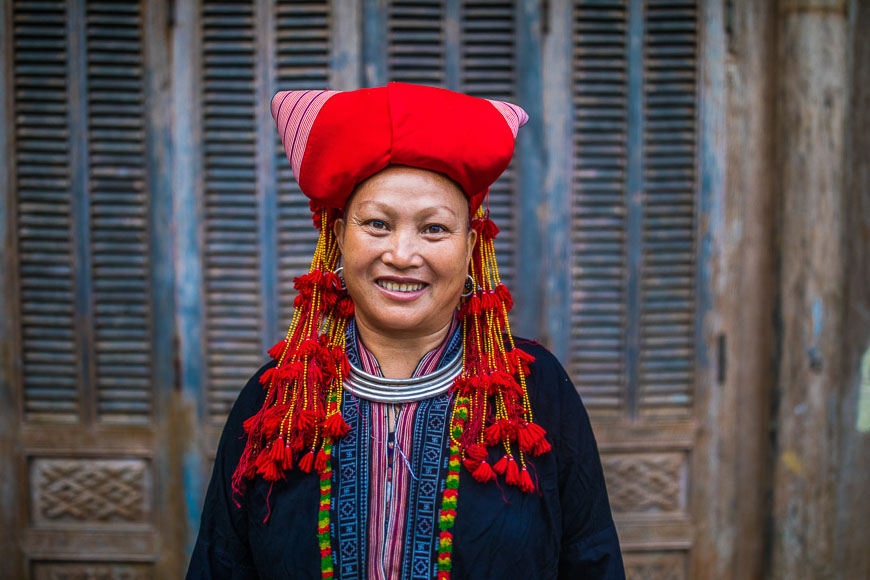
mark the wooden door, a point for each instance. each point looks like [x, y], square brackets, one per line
[88, 332]
[634, 260]
[156, 230]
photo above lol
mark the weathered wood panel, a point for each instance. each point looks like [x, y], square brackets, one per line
[812, 96]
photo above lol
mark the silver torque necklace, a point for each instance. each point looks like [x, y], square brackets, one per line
[383, 390]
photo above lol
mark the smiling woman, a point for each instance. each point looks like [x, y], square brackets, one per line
[377, 442]
[406, 244]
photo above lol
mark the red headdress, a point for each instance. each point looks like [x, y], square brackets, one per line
[335, 140]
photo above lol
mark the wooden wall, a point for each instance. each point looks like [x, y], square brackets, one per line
[682, 225]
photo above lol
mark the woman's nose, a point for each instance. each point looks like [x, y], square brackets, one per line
[403, 251]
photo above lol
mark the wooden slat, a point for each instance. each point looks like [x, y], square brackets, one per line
[415, 36]
[303, 32]
[488, 70]
[232, 254]
[598, 314]
[666, 370]
[42, 181]
[119, 210]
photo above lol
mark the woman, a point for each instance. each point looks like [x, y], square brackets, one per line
[401, 431]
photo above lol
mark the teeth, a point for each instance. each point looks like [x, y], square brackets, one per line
[393, 287]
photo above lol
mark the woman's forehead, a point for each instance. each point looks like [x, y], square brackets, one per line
[401, 188]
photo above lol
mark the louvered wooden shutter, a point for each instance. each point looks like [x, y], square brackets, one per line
[81, 184]
[50, 367]
[634, 211]
[478, 57]
[83, 214]
[231, 255]
[633, 270]
[258, 229]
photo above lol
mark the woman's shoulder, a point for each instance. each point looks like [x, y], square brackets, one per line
[545, 363]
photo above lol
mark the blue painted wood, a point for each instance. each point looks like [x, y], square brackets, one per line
[267, 194]
[374, 44]
[80, 208]
[187, 220]
[634, 204]
[452, 44]
[529, 158]
[554, 214]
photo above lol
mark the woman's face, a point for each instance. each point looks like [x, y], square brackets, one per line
[405, 245]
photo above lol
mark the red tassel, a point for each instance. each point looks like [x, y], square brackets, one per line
[276, 351]
[335, 426]
[307, 462]
[279, 450]
[526, 481]
[513, 473]
[267, 376]
[287, 461]
[493, 433]
[483, 473]
[476, 452]
[501, 465]
[320, 462]
[541, 447]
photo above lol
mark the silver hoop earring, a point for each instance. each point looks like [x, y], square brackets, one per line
[469, 286]
[338, 272]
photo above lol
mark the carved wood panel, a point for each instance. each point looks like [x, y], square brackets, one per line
[90, 491]
[656, 566]
[91, 571]
[646, 482]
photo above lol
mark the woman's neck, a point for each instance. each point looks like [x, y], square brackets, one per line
[398, 357]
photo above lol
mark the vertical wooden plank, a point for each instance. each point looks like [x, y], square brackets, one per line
[529, 156]
[187, 222]
[452, 44]
[374, 42]
[267, 194]
[11, 512]
[851, 557]
[634, 204]
[713, 462]
[345, 54]
[812, 97]
[177, 466]
[80, 207]
[557, 179]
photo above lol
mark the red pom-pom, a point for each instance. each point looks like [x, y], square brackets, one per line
[493, 433]
[276, 351]
[267, 376]
[335, 426]
[307, 462]
[526, 481]
[501, 465]
[513, 472]
[287, 461]
[483, 473]
[476, 452]
[541, 447]
[344, 307]
[320, 461]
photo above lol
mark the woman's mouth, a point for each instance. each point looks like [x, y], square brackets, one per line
[400, 286]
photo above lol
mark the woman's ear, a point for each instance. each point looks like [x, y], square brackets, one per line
[338, 232]
[471, 241]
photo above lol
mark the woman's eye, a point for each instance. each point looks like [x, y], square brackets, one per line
[377, 224]
[435, 229]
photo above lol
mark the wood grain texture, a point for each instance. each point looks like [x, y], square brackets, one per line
[851, 556]
[812, 96]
